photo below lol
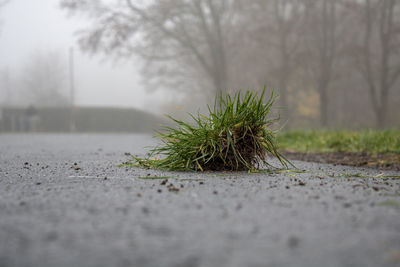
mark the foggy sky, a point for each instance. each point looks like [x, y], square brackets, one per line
[31, 25]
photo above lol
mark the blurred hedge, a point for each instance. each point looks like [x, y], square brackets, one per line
[87, 119]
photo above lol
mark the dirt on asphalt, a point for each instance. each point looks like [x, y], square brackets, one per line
[381, 161]
[65, 202]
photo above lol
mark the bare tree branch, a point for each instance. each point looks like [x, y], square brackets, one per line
[192, 30]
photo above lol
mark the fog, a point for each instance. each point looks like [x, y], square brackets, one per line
[334, 64]
[40, 29]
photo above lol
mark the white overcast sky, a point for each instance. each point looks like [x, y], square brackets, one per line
[29, 25]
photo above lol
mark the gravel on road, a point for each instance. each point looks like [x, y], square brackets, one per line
[65, 202]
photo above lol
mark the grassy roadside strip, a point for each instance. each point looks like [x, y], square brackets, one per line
[367, 141]
[368, 148]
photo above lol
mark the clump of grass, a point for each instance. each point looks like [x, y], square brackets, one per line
[234, 136]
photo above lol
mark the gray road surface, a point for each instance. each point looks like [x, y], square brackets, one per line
[63, 202]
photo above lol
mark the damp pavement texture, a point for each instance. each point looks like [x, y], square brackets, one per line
[64, 202]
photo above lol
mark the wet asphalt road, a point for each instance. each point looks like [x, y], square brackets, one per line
[64, 202]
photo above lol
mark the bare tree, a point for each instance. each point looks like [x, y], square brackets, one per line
[378, 57]
[321, 46]
[44, 80]
[180, 40]
[285, 30]
[200, 47]
[288, 27]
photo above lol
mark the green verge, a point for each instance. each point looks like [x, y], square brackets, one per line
[234, 136]
[369, 141]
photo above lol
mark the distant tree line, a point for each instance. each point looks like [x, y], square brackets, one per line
[333, 62]
[3, 3]
[41, 82]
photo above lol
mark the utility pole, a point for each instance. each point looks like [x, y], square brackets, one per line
[72, 126]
